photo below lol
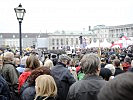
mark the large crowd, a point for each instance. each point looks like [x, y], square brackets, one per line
[92, 74]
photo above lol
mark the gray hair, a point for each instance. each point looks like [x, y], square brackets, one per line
[90, 63]
[111, 68]
[8, 56]
[63, 58]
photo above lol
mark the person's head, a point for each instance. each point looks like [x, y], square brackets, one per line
[32, 62]
[105, 73]
[16, 61]
[103, 60]
[116, 62]
[119, 88]
[45, 86]
[37, 72]
[132, 63]
[48, 63]
[111, 67]
[1, 60]
[90, 63]
[128, 60]
[8, 56]
[64, 59]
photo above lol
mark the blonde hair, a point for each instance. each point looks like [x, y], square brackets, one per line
[48, 63]
[1, 62]
[45, 86]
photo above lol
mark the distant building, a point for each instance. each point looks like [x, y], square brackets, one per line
[51, 41]
[112, 33]
[101, 32]
[115, 32]
[65, 39]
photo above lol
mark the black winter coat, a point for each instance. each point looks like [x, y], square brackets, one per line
[63, 78]
[118, 71]
[86, 89]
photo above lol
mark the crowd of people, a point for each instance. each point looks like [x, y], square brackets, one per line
[87, 76]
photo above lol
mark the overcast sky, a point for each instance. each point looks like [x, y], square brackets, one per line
[68, 15]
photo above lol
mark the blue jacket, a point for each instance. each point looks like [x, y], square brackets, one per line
[4, 89]
[28, 93]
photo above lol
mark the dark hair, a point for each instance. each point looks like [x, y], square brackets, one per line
[119, 88]
[103, 59]
[105, 73]
[116, 62]
[37, 72]
[127, 59]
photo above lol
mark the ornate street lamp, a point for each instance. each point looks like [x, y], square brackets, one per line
[20, 15]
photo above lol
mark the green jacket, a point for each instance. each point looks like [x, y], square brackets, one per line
[11, 75]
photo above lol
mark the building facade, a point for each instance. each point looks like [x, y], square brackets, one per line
[59, 40]
[63, 39]
[112, 33]
[101, 32]
[51, 41]
[115, 32]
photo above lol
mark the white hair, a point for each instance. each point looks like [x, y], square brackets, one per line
[111, 67]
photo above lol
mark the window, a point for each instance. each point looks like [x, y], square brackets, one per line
[53, 48]
[71, 41]
[1, 36]
[13, 36]
[61, 41]
[127, 34]
[116, 35]
[53, 41]
[57, 41]
[76, 41]
[66, 41]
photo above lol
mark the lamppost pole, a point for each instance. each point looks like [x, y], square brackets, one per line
[20, 37]
[20, 15]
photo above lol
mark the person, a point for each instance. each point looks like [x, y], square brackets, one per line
[126, 64]
[4, 89]
[131, 68]
[45, 88]
[71, 67]
[111, 67]
[105, 73]
[63, 78]
[28, 89]
[32, 62]
[1, 62]
[54, 59]
[48, 63]
[103, 62]
[119, 88]
[81, 74]
[89, 87]
[118, 70]
[10, 74]
[19, 67]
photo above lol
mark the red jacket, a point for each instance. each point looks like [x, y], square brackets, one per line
[23, 77]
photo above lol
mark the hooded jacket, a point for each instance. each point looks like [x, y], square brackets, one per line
[10, 74]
